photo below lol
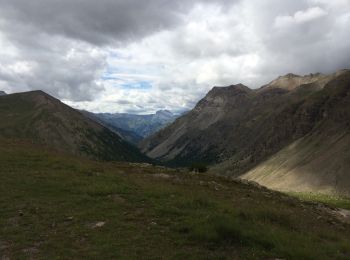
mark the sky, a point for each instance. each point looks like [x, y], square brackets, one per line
[141, 56]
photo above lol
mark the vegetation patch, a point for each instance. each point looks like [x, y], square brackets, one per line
[198, 167]
[331, 200]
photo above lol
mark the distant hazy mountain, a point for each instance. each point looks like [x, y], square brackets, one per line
[141, 125]
[2, 93]
[42, 119]
[291, 134]
[127, 135]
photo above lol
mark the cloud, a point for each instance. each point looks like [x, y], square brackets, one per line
[141, 56]
[300, 17]
[97, 22]
[63, 68]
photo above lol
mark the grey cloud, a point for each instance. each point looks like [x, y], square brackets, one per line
[97, 22]
[60, 67]
[123, 102]
[317, 45]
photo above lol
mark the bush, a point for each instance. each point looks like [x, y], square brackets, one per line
[198, 167]
[224, 230]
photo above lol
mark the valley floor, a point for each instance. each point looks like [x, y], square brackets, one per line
[54, 206]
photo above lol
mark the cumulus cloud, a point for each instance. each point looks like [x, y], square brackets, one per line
[61, 67]
[300, 17]
[140, 56]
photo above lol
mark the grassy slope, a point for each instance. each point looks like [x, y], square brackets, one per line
[331, 200]
[38, 117]
[50, 203]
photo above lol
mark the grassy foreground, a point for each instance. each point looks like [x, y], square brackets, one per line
[57, 207]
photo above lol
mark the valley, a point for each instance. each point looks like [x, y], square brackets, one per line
[134, 128]
[203, 129]
[249, 174]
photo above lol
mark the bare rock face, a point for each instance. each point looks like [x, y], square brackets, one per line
[236, 129]
[292, 81]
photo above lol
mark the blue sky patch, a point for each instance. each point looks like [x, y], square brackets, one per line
[137, 85]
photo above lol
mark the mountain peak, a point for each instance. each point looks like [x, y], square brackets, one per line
[164, 112]
[229, 89]
[2, 93]
[38, 92]
[343, 71]
[291, 81]
[163, 115]
[289, 76]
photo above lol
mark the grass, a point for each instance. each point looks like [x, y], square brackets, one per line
[50, 205]
[331, 200]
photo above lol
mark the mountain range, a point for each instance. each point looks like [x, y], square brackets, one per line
[126, 135]
[291, 134]
[140, 125]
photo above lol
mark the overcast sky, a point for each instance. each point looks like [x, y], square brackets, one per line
[140, 56]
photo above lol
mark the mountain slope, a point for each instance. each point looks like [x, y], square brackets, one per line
[2, 93]
[238, 128]
[38, 117]
[141, 125]
[315, 163]
[126, 135]
[195, 136]
[320, 160]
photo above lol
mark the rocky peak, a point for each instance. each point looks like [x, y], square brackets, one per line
[289, 76]
[292, 81]
[228, 91]
[341, 72]
[165, 113]
[220, 99]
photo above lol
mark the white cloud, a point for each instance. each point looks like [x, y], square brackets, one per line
[300, 17]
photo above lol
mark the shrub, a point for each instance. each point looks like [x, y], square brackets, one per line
[198, 167]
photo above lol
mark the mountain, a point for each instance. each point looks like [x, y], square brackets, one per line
[244, 131]
[192, 137]
[141, 125]
[126, 135]
[2, 93]
[42, 119]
